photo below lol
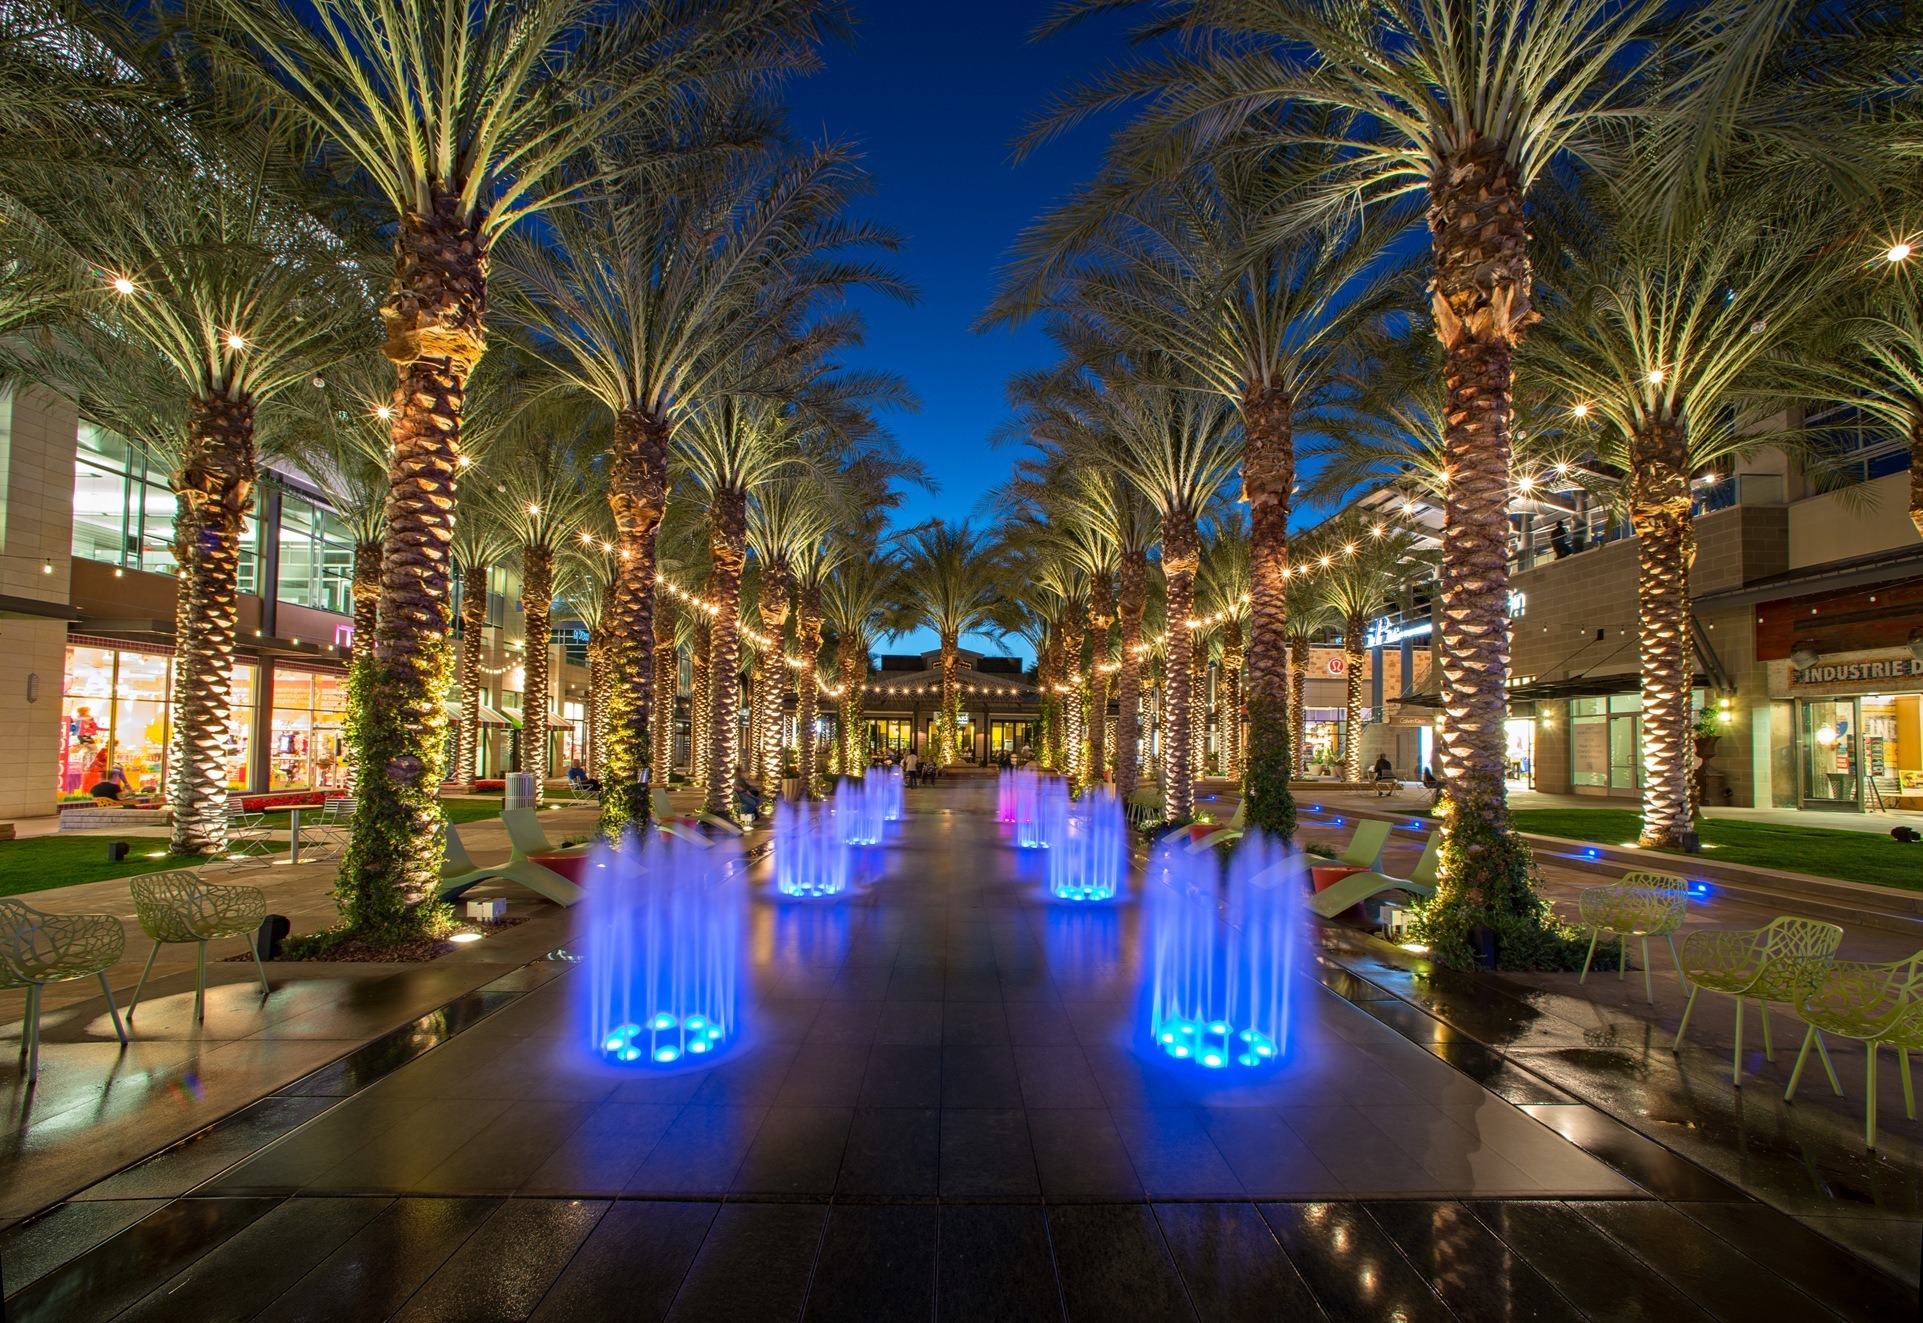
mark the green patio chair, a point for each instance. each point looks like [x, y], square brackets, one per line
[1234, 830]
[459, 872]
[1358, 887]
[1642, 905]
[1877, 1004]
[659, 805]
[1781, 962]
[180, 906]
[1366, 844]
[526, 837]
[37, 948]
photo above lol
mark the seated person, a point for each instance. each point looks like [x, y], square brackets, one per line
[106, 794]
[747, 800]
[1384, 774]
[578, 776]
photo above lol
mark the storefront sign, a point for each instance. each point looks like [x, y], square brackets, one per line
[1858, 672]
[1383, 634]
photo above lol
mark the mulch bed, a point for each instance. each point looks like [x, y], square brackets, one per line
[415, 952]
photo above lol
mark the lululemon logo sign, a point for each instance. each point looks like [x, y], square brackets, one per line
[1337, 664]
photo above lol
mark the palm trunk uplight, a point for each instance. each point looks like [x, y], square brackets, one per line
[1131, 600]
[667, 671]
[1230, 702]
[728, 551]
[1665, 547]
[1268, 479]
[537, 604]
[1181, 556]
[1353, 660]
[771, 674]
[1101, 617]
[216, 486]
[638, 495]
[808, 626]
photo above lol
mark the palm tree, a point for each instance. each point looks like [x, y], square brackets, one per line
[462, 117]
[1309, 618]
[584, 580]
[863, 599]
[1179, 446]
[540, 498]
[1224, 599]
[1359, 564]
[954, 571]
[204, 271]
[1471, 105]
[1656, 329]
[785, 517]
[1182, 259]
[653, 299]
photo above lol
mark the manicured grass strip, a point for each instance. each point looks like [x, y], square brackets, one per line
[45, 862]
[1853, 856]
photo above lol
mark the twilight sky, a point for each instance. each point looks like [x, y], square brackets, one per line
[935, 93]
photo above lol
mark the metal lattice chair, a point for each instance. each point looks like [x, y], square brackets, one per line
[1642, 905]
[1781, 962]
[179, 906]
[329, 834]
[37, 948]
[249, 844]
[1876, 1003]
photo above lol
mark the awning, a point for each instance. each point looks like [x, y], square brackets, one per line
[489, 717]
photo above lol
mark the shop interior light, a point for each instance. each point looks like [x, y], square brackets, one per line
[1826, 735]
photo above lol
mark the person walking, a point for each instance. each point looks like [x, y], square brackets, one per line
[910, 766]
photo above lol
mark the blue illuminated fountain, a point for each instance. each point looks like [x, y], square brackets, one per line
[1005, 795]
[890, 781]
[1222, 965]
[861, 810]
[664, 984]
[1088, 850]
[1041, 809]
[812, 857]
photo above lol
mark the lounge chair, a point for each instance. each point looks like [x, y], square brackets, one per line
[1358, 887]
[526, 838]
[1237, 825]
[1144, 807]
[459, 872]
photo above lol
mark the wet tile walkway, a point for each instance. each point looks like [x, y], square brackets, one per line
[942, 1113]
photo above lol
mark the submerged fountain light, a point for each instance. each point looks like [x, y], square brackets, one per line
[1221, 972]
[811, 857]
[663, 941]
[1089, 853]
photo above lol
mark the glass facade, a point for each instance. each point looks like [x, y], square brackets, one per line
[316, 557]
[1605, 735]
[123, 510]
[304, 730]
[116, 712]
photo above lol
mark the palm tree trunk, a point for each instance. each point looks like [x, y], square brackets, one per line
[1665, 548]
[808, 624]
[1131, 600]
[1048, 671]
[1181, 556]
[1075, 681]
[473, 631]
[1198, 702]
[367, 598]
[1298, 699]
[1353, 660]
[1268, 481]
[728, 550]
[1101, 617]
[771, 673]
[217, 484]
[1481, 303]
[537, 605]
[434, 315]
[851, 669]
[638, 496]
[1229, 699]
[701, 701]
[597, 699]
[1916, 469]
[667, 672]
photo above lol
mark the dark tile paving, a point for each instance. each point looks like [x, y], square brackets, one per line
[944, 1111]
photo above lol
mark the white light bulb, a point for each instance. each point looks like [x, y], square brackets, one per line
[236, 342]
[1655, 376]
[1581, 411]
[123, 286]
[1897, 252]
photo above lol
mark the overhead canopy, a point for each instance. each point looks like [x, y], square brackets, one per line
[489, 717]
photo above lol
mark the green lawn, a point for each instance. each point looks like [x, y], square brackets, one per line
[46, 862]
[457, 810]
[1854, 856]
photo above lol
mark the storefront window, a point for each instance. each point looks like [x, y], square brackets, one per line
[116, 713]
[890, 733]
[1605, 737]
[305, 730]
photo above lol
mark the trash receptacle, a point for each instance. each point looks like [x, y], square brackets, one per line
[519, 791]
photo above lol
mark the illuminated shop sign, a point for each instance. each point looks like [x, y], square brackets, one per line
[1383, 634]
[1893, 668]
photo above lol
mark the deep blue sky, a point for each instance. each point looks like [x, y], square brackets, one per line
[935, 93]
